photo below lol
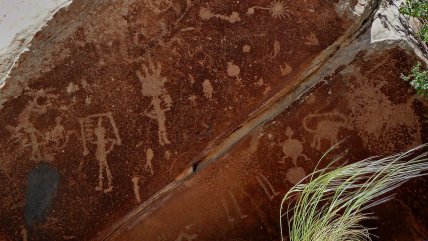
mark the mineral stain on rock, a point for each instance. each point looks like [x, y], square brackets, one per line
[41, 189]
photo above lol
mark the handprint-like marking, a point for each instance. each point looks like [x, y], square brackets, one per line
[153, 85]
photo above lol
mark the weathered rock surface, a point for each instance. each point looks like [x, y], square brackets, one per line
[187, 120]
[239, 195]
[19, 22]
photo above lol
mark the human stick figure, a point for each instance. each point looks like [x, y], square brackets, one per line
[98, 135]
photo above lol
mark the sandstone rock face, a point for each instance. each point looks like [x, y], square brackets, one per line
[19, 22]
[188, 120]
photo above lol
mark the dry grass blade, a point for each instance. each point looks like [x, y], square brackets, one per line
[333, 202]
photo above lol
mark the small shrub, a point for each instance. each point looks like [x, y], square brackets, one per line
[415, 8]
[418, 78]
[423, 33]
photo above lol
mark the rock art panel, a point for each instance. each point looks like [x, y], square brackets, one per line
[244, 188]
[121, 97]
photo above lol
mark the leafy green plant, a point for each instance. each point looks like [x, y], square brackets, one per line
[423, 33]
[418, 78]
[415, 8]
[418, 9]
[334, 202]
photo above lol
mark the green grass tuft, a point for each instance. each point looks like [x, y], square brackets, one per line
[334, 202]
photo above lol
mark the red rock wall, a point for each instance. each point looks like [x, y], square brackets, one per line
[117, 102]
[238, 197]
